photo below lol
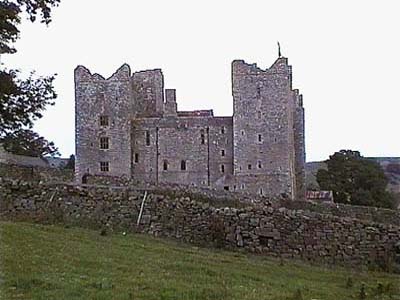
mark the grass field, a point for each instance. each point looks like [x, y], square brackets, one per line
[53, 262]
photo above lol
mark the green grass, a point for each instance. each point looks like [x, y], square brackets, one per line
[53, 262]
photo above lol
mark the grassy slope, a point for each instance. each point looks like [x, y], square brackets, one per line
[50, 262]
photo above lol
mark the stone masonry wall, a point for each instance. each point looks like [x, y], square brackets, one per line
[159, 145]
[266, 230]
[263, 127]
[95, 97]
[259, 150]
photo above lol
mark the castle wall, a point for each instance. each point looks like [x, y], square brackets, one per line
[198, 141]
[299, 147]
[148, 93]
[258, 150]
[96, 97]
[263, 127]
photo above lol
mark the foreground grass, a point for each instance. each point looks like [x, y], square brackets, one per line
[51, 262]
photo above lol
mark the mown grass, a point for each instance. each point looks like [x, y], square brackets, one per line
[53, 262]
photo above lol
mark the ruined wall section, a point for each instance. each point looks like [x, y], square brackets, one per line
[148, 93]
[96, 98]
[182, 150]
[300, 152]
[263, 128]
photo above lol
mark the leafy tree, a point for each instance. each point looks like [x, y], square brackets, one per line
[29, 143]
[355, 180]
[22, 101]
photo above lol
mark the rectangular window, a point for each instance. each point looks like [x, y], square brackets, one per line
[203, 138]
[136, 157]
[147, 138]
[222, 152]
[222, 168]
[183, 165]
[104, 143]
[249, 166]
[104, 121]
[223, 130]
[165, 165]
[226, 188]
[104, 166]
[259, 165]
[260, 138]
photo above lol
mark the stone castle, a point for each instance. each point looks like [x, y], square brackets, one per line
[128, 126]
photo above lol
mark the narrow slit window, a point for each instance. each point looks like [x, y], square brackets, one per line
[223, 130]
[222, 152]
[136, 157]
[183, 165]
[249, 166]
[259, 165]
[165, 165]
[147, 138]
[104, 166]
[104, 143]
[202, 137]
[260, 138]
[222, 168]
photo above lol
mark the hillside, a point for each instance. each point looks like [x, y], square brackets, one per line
[50, 262]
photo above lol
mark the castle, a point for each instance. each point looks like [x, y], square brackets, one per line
[129, 126]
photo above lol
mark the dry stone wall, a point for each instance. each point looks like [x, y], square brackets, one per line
[263, 229]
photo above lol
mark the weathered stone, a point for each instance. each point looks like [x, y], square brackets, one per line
[125, 127]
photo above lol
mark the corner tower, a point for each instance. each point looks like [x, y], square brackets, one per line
[264, 122]
[103, 109]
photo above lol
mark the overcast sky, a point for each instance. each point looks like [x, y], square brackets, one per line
[345, 57]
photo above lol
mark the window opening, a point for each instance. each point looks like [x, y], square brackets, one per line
[104, 166]
[104, 143]
[147, 138]
[183, 165]
[104, 121]
[165, 165]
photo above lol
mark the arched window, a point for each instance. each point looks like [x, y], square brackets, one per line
[183, 165]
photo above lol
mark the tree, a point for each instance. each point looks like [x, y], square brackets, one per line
[355, 180]
[22, 101]
[28, 143]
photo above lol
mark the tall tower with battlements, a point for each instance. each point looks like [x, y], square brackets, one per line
[267, 120]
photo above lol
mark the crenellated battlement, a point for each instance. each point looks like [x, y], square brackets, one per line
[129, 125]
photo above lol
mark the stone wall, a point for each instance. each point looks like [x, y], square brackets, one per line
[265, 125]
[204, 144]
[263, 229]
[372, 214]
[97, 97]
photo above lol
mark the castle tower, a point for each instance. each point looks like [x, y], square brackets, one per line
[103, 110]
[264, 129]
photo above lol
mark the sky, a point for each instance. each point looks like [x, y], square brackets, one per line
[345, 57]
